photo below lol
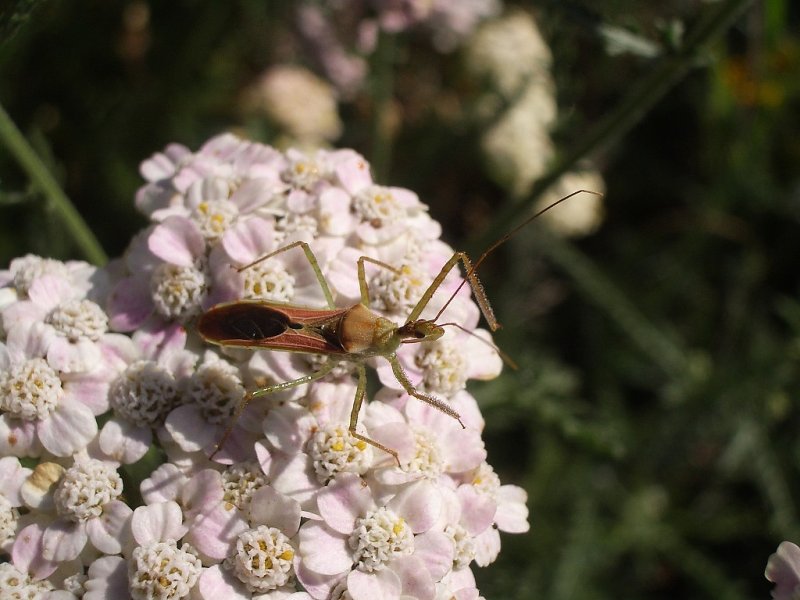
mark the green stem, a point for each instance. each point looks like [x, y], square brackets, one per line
[637, 102]
[382, 93]
[19, 147]
[602, 292]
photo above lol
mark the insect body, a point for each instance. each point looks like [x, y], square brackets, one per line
[352, 334]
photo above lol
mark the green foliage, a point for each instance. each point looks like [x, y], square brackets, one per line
[653, 419]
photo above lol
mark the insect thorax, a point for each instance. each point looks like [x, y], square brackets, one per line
[361, 331]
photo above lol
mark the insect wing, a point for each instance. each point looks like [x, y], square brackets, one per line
[257, 324]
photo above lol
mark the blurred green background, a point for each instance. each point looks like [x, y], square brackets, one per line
[653, 419]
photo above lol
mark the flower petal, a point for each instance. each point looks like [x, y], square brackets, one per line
[270, 507]
[17, 437]
[63, 540]
[124, 441]
[435, 550]
[216, 583]
[157, 522]
[108, 578]
[214, 532]
[419, 504]
[512, 513]
[323, 550]
[129, 304]
[414, 577]
[177, 240]
[27, 553]
[107, 531]
[73, 357]
[248, 239]
[189, 429]
[164, 484]
[384, 584]
[69, 428]
[346, 498]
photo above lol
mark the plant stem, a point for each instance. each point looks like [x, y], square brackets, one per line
[26, 156]
[638, 101]
[382, 92]
[654, 343]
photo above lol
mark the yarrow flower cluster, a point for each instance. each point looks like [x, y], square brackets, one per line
[292, 504]
[518, 106]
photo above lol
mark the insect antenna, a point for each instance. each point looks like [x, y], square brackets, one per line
[472, 277]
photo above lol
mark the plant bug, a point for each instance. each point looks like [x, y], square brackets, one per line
[352, 334]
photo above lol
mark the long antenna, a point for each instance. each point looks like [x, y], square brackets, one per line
[471, 271]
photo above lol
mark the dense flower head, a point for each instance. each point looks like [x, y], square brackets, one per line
[266, 479]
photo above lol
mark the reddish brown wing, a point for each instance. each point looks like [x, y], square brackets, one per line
[258, 324]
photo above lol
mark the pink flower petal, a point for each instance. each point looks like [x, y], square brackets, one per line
[72, 357]
[512, 513]
[17, 437]
[435, 550]
[353, 173]
[487, 547]
[189, 428]
[108, 579]
[214, 532]
[129, 304]
[107, 532]
[343, 500]
[124, 441]
[89, 389]
[157, 522]
[203, 493]
[248, 239]
[163, 164]
[12, 476]
[414, 577]
[316, 584]
[291, 475]
[323, 550]
[30, 340]
[270, 507]
[165, 483]
[252, 194]
[334, 212]
[477, 510]
[288, 427]
[216, 583]
[384, 584]
[783, 569]
[419, 504]
[178, 241]
[48, 291]
[27, 554]
[63, 540]
[69, 428]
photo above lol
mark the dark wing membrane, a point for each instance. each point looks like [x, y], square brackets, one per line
[258, 325]
[242, 321]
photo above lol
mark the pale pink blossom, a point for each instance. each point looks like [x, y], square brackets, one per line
[373, 551]
[783, 569]
[86, 500]
[145, 391]
[45, 409]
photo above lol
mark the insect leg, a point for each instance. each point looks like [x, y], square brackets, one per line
[362, 276]
[474, 282]
[312, 260]
[436, 403]
[278, 387]
[357, 402]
